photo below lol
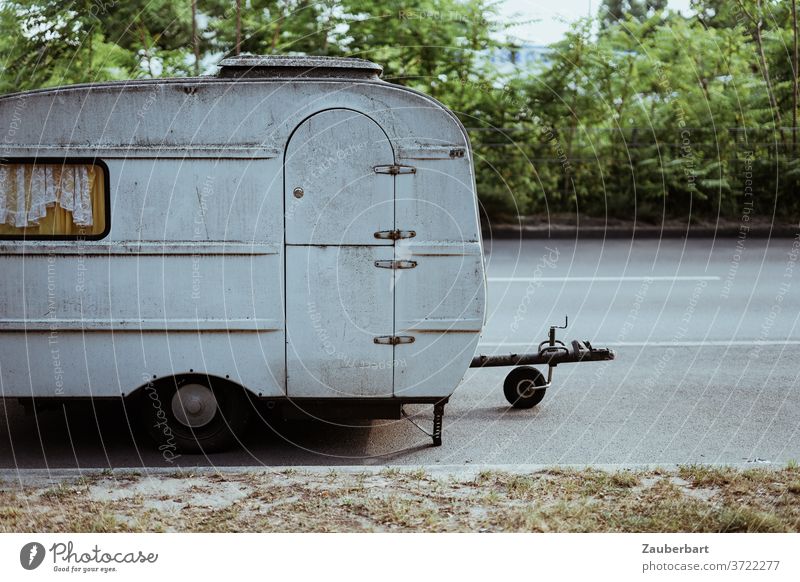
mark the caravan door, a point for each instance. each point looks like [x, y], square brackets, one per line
[339, 291]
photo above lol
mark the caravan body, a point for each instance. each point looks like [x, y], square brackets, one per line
[293, 226]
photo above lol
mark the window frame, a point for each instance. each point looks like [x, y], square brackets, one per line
[65, 161]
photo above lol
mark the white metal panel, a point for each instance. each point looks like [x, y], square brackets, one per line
[206, 289]
[436, 201]
[68, 363]
[331, 157]
[233, 115]
[441, 303]
[338, 302]
[434, 365]
[100, 322]
[196, 200]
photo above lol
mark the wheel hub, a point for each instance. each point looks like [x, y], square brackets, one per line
[194, 405]
[526, 388]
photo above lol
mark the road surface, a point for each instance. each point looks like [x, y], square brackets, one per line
[707, 371]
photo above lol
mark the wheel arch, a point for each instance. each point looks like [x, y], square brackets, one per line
[216, 380]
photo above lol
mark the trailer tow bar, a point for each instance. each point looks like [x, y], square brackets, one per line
[525, 386]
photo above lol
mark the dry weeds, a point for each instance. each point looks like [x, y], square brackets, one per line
[691, 499]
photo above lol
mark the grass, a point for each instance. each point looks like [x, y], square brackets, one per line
[690, 499]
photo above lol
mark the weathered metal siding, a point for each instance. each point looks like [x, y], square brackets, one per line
[331, 158]
[213, 118]
[188, 279]
[338, 300]
[338, 304]
[440, 303]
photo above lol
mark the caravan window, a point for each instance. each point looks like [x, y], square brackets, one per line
[53, 199]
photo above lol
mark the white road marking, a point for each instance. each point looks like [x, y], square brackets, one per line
[657, 344]
[599, 279]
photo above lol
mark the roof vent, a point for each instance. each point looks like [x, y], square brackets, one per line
[254, 66]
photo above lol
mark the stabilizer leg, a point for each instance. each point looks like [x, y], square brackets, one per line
[438, 415]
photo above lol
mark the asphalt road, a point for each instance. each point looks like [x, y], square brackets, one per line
[707, 371]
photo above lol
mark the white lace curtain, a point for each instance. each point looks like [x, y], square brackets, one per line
[26, 191]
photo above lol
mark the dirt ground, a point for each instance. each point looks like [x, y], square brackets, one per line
[686, 499]
[696, 499]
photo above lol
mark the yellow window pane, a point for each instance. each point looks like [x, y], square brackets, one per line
[52, 200]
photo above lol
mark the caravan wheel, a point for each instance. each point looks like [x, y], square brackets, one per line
[194, 414]
[522, 387]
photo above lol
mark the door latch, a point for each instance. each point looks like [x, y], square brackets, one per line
[399, 264]
[393, 340]
[394, 169]
[395, 234]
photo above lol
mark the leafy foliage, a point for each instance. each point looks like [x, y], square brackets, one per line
[640, 111]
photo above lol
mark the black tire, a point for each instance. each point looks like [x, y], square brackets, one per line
[171, 436]
[517, 387]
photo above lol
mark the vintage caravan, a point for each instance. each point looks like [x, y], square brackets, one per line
[291, 230]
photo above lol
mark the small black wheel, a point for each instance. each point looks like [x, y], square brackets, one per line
[194, 414]
[521, 387]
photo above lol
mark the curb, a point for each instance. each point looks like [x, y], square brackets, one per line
[31, 476]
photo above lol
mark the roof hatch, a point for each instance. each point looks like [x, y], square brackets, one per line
[289, 67]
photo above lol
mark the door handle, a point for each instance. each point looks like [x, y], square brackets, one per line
[401, 264]
[393, 340]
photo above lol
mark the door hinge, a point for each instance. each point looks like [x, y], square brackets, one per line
[393, 340]
[395, 234]
[395, 169]
[398, 264]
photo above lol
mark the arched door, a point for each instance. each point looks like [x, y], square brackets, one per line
[339, 293]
